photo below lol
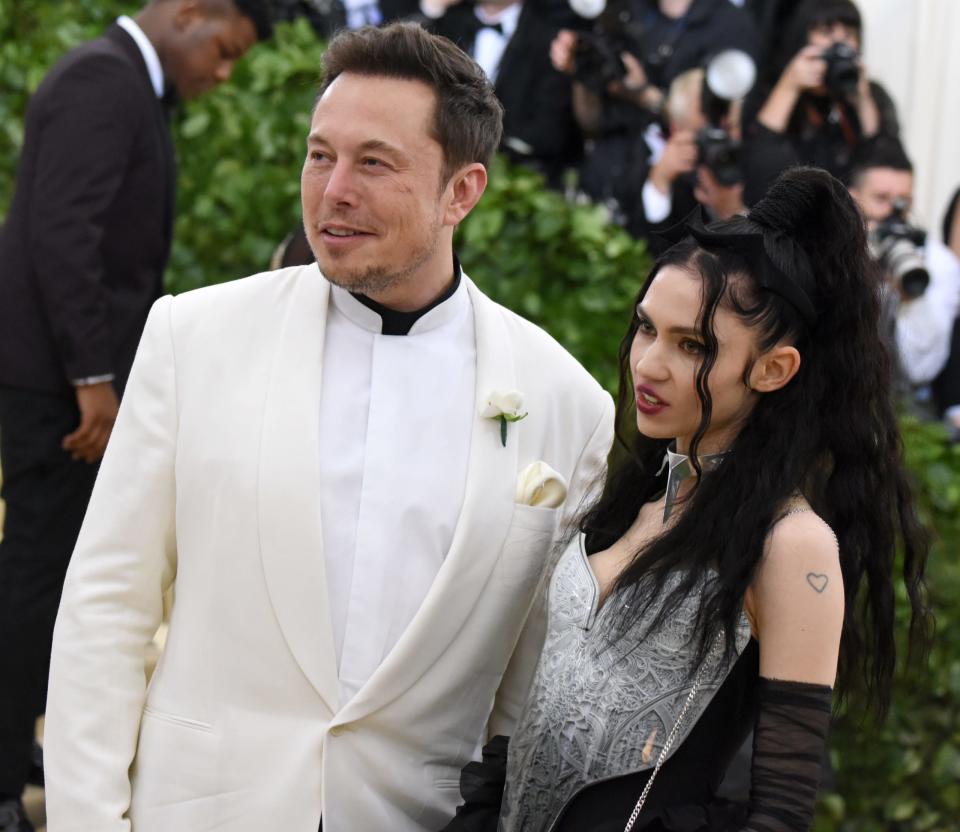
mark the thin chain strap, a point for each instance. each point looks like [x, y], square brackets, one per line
[671, 738]
[697, 682]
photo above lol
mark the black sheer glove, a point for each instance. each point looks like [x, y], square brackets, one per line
[793, 720]
[481, 787]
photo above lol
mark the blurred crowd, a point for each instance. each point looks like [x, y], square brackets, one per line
[652, 107]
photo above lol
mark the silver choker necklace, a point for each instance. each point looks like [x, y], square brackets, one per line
[678, 469]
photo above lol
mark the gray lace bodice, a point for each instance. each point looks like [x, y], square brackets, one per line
[600, 707]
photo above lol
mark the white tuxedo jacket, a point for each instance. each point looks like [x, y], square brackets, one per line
[210, 482]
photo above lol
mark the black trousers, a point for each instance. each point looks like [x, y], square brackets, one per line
[46, 495]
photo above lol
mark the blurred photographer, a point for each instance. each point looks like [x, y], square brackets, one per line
[622, 68]
[697, 161]
[922, 275]
[818, 104]
[510, 39]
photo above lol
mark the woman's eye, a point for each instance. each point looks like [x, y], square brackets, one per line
[644, 326]
[691, 347]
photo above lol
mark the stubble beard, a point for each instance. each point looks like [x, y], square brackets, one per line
[376, 279]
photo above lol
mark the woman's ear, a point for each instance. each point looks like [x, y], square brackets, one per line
[774, 369]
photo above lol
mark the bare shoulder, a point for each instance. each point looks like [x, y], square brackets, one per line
[801, 560]
[800, 536]
[796, 600]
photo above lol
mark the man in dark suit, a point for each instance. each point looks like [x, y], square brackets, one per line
[511, 40]
[83, 252]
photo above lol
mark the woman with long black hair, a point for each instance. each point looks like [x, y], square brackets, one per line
[739, 567]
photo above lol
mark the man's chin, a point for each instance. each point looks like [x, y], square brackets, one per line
[371, 280]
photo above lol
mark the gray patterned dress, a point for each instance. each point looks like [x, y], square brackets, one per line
[600, 708]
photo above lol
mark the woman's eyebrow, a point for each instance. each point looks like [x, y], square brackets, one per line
[673, 330]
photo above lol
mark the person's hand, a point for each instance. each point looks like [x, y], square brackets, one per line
[635, 87]
[635, 79]
[562, 51]
[723, 201]
[679, 157]
[867, 109]
[806, 71]
[98, 406]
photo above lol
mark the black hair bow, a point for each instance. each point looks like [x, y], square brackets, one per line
[750, 246]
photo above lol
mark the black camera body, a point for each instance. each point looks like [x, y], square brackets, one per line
[597, 53]
[843, 70]
[597, 60]
[718, 151]
[895, 245]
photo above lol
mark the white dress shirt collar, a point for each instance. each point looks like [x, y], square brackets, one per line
[150, 57]
[364, 317]
[507, 17]
[489, 44]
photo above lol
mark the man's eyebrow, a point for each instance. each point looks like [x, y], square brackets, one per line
[673, 330]
[379, 144]
[369, 145]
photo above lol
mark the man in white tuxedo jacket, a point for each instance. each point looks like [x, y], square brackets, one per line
[332, 466]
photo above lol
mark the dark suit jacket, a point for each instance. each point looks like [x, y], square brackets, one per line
[87, 238]
[537, 100]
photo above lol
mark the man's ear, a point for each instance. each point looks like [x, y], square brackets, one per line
[774, 369]
[188, 12]
[463, 191]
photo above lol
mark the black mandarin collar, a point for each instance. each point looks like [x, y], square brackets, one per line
[400, 323]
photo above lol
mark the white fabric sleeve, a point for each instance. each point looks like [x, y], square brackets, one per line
[585, 486]
[925, 325]
[656, 205]
[112, 604]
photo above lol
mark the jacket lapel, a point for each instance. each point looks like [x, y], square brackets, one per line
[291, 544]
[479, 535]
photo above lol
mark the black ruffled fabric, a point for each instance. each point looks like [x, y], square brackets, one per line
[481, 787]
[717, 816]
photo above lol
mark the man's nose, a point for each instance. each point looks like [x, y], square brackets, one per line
[341, 185]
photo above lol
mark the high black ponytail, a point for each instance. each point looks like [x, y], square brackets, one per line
[830, 434]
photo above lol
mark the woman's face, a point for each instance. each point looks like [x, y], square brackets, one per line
[827, 34]
[667, 352]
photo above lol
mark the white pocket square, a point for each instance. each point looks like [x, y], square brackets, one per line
[539, 485]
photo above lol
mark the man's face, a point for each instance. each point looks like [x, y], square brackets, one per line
[373, 202]
[878, 190]
[210, 39]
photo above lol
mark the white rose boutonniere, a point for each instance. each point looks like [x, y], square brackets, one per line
[504, 405]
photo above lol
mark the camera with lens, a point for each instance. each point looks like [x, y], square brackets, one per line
[598, 61]
[597, 53]
[728, 76]
[843, 70]
[895, 245]
[720, 153]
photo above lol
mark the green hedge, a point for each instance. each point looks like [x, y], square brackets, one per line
[240, 151]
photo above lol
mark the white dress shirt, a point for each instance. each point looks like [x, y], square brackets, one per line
[150, 57]
[656, 204]
[396, 413]
[489, 45]
[925, 324]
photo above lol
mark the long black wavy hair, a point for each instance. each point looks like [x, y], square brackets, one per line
[830, 434]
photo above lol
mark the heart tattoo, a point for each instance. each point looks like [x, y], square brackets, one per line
[817, 581]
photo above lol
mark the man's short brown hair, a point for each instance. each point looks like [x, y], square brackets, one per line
[468, 118]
